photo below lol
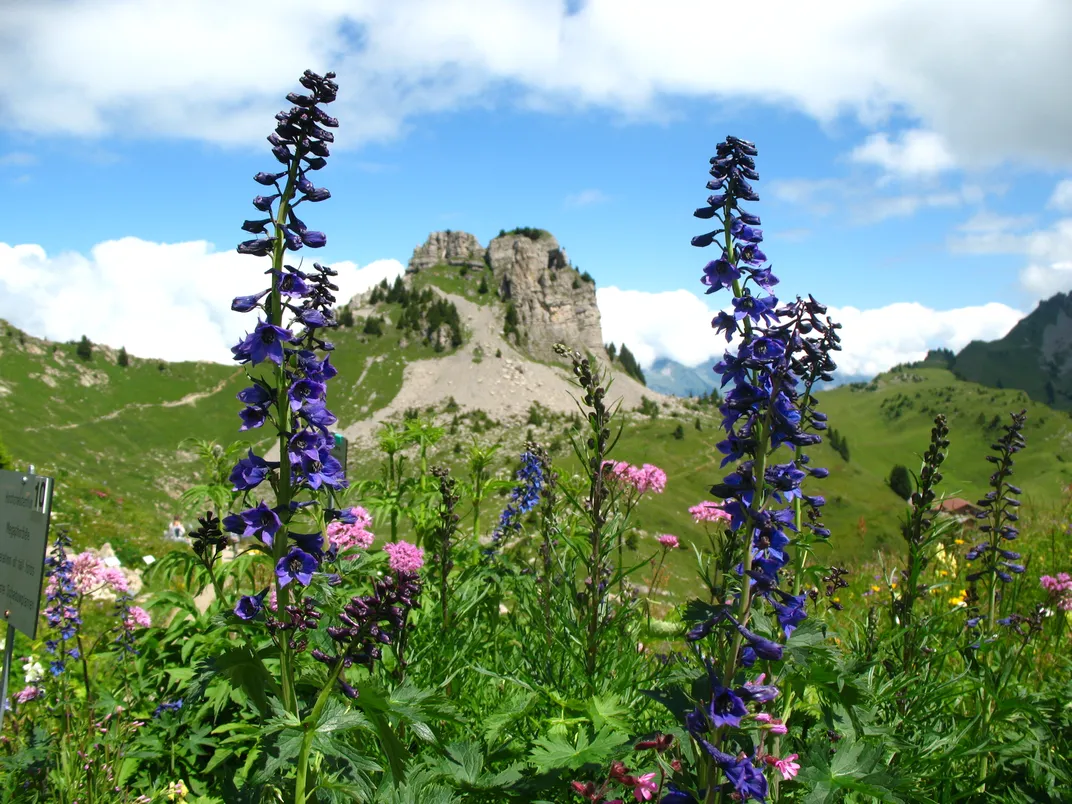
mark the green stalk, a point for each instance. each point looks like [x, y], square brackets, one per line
[284, 492]
[309, 726]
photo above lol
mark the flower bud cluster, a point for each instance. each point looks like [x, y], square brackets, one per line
[370, 621]
[996, 505]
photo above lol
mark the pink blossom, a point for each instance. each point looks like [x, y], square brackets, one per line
[404, 557]
[645, 787]
[709, 512]
[29, 693]
[1060, 589]
[777, 727]
[343, 536]
[788, 766]
[668, 541]
[89, 573]
[137, 618]
[643, 479]
[762, 717]
[114, 577]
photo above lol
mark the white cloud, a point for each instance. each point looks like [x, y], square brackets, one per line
[162, 300]
[586, 198]
[677, 325]
[199, 68]
[919, 153]
[1049, 251]
[1061, 199]
[674, 323]
[862, 203]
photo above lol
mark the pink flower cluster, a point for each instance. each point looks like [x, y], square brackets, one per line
[709, 512]
[668, 541]
[90, 574]
[137, 617]
[1060, 589]
[30, 693]
[404, 557]
[343, 537]
[644, 479]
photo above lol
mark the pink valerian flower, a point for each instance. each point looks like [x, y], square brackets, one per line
[668, 541]
[643, 479]
[30, 693]
[709, 512]
[1060, 589]
[645, 787]
[90, 574]
[343, 537]
[403, 556]
[137, 617]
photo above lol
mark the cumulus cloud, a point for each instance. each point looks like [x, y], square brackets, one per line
[918, 153]
[1061, 200]
[160, 300]
[201, 71]
[1049, 251]
[677, 325]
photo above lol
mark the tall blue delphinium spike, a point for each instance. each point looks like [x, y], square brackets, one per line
[762, 412]
[525, 495]
[998, 562]
[61, 613]
[290, 391]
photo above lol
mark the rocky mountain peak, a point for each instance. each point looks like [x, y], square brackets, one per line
[532, 273]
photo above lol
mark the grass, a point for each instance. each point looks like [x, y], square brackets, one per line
[449, 279]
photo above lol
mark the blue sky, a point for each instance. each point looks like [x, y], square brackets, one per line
[915, 178]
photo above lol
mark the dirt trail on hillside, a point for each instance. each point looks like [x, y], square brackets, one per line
[189, 399]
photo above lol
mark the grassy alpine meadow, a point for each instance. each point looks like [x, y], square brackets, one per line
[588, 630]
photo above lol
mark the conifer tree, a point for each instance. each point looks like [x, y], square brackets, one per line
[85, 349]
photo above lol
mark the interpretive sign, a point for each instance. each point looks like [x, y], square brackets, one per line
[25, 506]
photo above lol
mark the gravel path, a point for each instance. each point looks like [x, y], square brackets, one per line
[503, 387]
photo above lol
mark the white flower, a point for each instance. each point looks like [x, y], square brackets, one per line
[34, 672]
[148, 560]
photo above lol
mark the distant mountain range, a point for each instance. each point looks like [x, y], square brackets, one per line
[1035, 356]
[675, 379]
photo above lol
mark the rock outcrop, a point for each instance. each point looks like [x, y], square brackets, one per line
[447, 248]
[531, 271]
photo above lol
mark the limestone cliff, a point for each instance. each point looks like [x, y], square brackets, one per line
[530, 271]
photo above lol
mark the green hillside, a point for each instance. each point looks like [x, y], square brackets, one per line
[110, 435]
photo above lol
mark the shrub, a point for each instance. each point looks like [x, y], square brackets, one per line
[900, 481]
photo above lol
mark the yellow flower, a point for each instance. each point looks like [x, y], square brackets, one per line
[836, 599]
[943, 573]
[958, 541]
[876, 588]
[893, 585]
[957, 601]
[177, 791]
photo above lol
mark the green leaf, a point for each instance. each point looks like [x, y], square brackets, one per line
[556, 751]
[607, 710]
